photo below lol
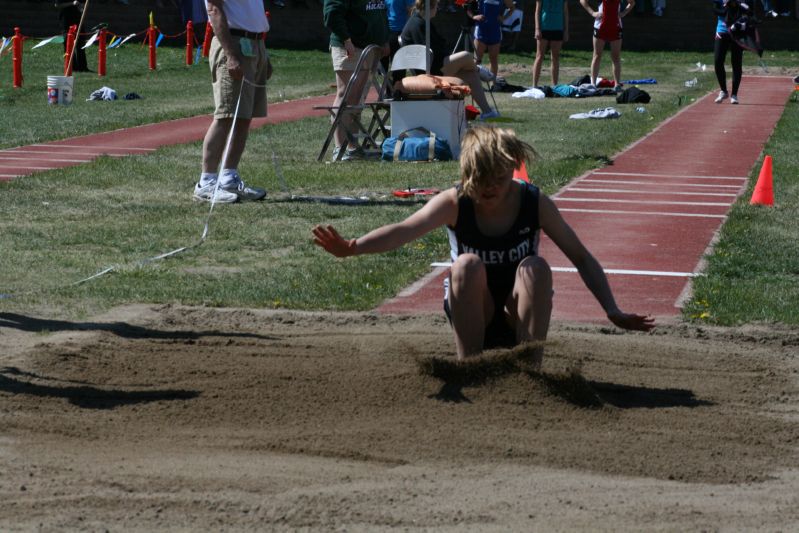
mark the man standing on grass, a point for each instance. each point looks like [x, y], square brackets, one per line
[240, 68]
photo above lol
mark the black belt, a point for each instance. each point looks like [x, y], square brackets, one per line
[247, 34]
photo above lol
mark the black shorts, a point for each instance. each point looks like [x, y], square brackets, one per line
[552, 35]
[498, 334]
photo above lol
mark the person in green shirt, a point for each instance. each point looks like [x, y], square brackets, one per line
[353, 25]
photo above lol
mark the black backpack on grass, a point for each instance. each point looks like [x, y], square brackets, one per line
[633, 95]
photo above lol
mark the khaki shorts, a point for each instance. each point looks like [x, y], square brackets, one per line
[226, 89]
[341, 61]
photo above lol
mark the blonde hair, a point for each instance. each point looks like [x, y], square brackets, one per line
[488, 155]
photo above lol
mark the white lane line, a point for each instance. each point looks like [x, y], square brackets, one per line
[679, 176]
[646, 202]
[650, 213]
[618, 271]
[26, 167]
[10, 175]
[420, 284]
[620, 182]
[92, 146]
[42, 159]
[628, 191]
[58, 152]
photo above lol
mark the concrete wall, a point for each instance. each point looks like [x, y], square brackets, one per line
[686, 24]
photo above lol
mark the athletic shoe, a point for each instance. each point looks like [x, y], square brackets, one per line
[494, 113]
[484, 73]
[796, 79]
[205, 194]
[244, 192]
[734, 99]
[720, 98]
[352, 154]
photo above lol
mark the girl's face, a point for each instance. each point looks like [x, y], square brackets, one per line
[493, 193]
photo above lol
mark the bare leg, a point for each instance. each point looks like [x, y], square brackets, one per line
[216, 138]
[470, 304]
[493, 58]
[479, 50]
[530, 302]
[346, 124]
[472, 79]
[599, 45]
[555, 47]
[541, 50]
[615, 56]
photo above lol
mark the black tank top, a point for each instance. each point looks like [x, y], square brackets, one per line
[500, 254]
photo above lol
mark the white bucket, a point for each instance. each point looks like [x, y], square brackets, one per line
[59, 90]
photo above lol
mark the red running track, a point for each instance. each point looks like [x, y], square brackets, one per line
[651, 215]
[25, 160]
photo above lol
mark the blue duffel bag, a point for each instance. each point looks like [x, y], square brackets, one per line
[417, 144]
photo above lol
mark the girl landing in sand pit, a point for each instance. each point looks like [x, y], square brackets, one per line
[499, 291]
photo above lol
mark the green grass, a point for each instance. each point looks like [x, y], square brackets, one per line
[60, 226]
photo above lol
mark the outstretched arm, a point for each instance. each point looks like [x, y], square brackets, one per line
[441, 210]
[589, 268]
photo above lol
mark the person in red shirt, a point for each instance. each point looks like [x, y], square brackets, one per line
[607, 29]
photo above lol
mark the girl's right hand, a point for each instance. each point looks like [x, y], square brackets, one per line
[328, 238]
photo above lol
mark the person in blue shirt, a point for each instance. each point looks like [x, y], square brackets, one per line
[728, 14]
[488, 15]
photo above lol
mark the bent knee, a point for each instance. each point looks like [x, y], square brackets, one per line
[467, 267]
[535, 271]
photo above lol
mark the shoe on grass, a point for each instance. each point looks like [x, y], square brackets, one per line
[721, 97]
[734, 99]
[206, 194]
[490, 114]
[232, 183]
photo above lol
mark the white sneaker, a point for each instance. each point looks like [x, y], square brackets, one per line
[720, 98]
[205, 194]
[491, 114]
[244, 192]
[734, 99]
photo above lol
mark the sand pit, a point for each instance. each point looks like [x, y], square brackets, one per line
[193, 419]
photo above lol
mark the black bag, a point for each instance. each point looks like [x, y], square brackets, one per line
[417, 144]
[633, 95]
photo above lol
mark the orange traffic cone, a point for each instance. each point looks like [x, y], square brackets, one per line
[764, 189]
[521, 173]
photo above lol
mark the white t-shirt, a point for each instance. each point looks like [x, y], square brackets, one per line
[247, 15]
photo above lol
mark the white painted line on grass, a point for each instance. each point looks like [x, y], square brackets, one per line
[646, 202]
[10, 175]
[680, 176]
[619, 271]
[628, 191]
[618, 182]
[651, 213]
[91, 146]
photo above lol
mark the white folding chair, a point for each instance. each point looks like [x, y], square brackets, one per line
[410, 57]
